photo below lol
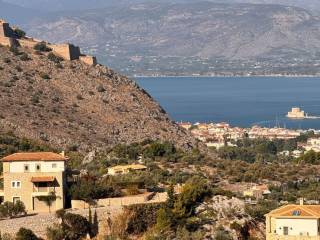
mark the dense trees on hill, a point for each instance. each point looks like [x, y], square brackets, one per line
[310, 157]
[173, 219]
[252, 150]
[89, 189]
[72, 227]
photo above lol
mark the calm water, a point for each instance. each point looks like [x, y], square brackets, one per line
[240, 101]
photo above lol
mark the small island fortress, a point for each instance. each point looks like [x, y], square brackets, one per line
[297, 113]
[9, 37]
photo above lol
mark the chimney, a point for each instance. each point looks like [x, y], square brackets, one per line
[301, 201]
[62, 154]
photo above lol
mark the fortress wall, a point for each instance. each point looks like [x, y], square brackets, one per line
[62, 50]
[90, 60]
[5, 41]
[27, 43]
[66, 51]
[74, 52]
[5, 30]
[2, 31]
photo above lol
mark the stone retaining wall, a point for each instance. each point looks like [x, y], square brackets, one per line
[40, 222]
[121, 201]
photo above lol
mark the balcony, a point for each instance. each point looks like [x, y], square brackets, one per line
[42, 191]
[43, 186]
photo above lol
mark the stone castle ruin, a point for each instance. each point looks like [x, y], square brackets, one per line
[9, 37]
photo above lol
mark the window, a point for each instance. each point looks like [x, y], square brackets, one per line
[54, 165]
[16, 184]
[26, 168]
[38, 167]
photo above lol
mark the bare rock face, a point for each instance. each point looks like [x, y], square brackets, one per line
[226, 211]
[72, 104]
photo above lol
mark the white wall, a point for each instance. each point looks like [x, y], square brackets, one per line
[298, 226]
[46, 166]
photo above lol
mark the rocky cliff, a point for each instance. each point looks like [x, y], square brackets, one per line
[71, 104]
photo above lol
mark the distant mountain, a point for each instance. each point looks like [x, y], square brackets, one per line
[313, 5]
[17, 14]
[162, 33]
[165, 37]
[61, 5]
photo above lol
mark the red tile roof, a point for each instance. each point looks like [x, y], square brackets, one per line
[42, 179]
[34, 156]
[296, 211]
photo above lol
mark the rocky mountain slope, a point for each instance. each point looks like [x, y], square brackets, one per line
[75, 105]
[151, 35]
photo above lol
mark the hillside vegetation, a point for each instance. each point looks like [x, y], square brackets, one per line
[71, 105]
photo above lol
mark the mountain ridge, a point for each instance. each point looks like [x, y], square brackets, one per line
[148, 36]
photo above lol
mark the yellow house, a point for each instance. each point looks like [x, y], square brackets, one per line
[124, 169]
[32, 177]
[294, 222]
[257, 191]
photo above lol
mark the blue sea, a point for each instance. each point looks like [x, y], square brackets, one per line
[240, 101]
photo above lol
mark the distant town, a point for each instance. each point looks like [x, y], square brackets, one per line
[218, 135]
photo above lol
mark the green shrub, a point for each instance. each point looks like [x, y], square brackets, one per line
[141, 217]
[25, 234]
[54, 58]
[9, 210]
[89, 190]
[19, 208]
[75, 226]
[45, 76]
[221, 234]
[100, 88]
[24, 57]
[15, 50]
[55, 233]
[157, 149]
[42, 47]
[20, 33]
[263, 207]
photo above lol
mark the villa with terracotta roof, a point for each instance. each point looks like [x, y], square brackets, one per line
[31, 177]
[294, 222]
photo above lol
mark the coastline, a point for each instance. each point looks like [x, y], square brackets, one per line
[228, 76]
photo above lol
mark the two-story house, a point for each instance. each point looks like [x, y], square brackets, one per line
[31, 177]
[294, 222]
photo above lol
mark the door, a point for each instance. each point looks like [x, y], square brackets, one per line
[285, 230]
[15, 199]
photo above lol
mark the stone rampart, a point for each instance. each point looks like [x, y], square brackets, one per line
[6, 30]
[66, 51]
[5, 41]
[27, 43]
[90, 60]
